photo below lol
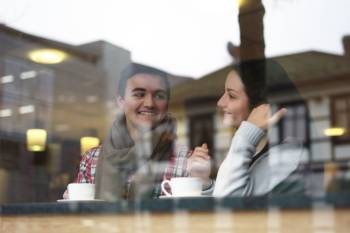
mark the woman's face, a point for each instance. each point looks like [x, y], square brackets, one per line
[234, 102]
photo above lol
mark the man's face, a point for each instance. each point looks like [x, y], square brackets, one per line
[145, 102]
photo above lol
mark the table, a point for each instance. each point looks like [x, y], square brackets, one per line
[259, 214]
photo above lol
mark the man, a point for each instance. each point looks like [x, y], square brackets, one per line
[139, 151]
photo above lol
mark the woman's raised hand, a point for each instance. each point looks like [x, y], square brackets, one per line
[261, 116]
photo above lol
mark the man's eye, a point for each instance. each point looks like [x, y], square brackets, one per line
[139, 94]
[160, 96]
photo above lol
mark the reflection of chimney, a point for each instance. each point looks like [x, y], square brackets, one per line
[233, 50]
[346, 45]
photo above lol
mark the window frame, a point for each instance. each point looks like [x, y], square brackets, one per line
[334, 112]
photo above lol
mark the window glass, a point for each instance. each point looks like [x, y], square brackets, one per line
[250, 97]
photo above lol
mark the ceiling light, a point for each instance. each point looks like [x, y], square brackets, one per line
[47, 56]
[241, 2]
[26, 109]
[5, 112]
[7, 79]
[333, 132]
[36, 139]
[86, 143]
[28, 74]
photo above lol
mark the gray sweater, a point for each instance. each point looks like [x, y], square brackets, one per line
[238, 177]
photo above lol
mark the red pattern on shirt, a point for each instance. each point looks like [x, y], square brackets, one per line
[87, 167]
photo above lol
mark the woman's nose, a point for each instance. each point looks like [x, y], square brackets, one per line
[221, 101]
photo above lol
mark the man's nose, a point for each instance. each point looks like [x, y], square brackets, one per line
[148, 101]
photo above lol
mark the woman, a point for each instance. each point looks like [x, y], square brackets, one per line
[252, 166]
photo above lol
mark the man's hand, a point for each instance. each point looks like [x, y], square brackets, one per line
[199, 164]
[261, 116]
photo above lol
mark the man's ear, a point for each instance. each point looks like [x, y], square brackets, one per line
[120, 102]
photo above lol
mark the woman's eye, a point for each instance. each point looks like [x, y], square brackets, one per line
[232, 96]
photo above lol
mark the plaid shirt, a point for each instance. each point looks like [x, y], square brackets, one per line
[176, 166]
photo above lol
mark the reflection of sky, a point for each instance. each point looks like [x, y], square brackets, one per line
[186, 37]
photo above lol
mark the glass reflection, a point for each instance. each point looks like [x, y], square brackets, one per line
[78, 93]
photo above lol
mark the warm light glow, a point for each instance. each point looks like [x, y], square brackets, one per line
[241, 2]
[86, 143]
[47, 56]
[36, 139]
[332, 132]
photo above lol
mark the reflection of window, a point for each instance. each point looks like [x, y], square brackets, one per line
[295, 123]
[341, 117]
[202, 130]
[9, 153]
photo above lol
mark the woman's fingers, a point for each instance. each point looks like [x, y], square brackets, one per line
[276, 117]
[198, 164]
[65, 195]
[261, 116]
[202, 152]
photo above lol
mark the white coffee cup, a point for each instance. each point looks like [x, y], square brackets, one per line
[183, 186]
[81, 191]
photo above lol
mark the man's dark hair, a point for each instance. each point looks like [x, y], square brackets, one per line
[135, 68]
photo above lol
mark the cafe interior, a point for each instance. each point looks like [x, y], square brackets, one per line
[58, 100]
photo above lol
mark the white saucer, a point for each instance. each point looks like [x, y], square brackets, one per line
[171, 197]
[67, 200]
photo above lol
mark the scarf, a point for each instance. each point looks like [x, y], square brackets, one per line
[133, 170]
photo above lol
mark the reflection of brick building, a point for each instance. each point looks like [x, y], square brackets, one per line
[323, 81]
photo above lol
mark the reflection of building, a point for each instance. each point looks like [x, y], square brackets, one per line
[67, 99]
[76, 97]
[324, 83]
